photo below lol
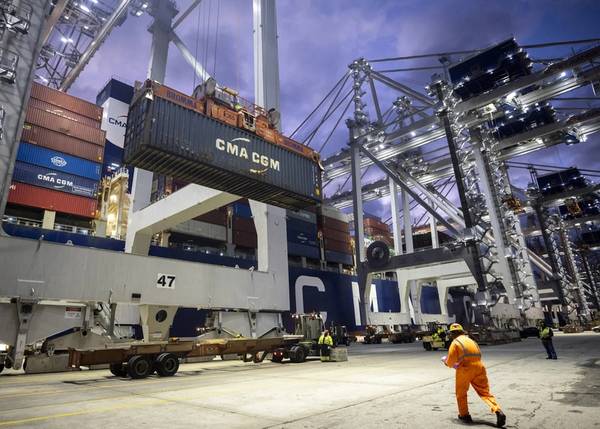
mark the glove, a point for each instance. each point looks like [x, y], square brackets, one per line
[455, 366]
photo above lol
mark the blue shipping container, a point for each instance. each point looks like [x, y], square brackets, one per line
[56, 180]
[340, 258]
[300, 232]
[242, 210]
[58, 161]
[303, 250]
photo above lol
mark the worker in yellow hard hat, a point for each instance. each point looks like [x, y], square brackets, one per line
[464, 355]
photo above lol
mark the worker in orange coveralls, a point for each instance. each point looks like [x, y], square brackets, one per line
[464, 355]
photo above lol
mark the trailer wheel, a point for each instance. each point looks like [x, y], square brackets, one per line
[427, 346]
[167, 364]
[139, 367]
[118, 369]
[297, 354]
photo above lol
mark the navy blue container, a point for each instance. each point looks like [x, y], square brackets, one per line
[300, 232]
[303, 250]
[242, 210]
[117, 90]
[58, 161]
[337, 257]
[56, 180]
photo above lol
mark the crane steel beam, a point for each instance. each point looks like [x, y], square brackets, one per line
[111, 22]
[183, 15]
[396, 177]
[58, 10]
[189, 57]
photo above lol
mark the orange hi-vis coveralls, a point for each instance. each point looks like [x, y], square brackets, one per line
[465, 356]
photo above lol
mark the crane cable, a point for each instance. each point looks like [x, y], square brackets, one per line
[216, 38]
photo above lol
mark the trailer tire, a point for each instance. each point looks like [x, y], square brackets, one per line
[297, 354]
[167, 365]
[118, 369]
[139, 366]
[427, 346]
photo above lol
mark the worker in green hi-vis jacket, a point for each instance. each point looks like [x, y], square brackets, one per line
[546, 335]
[325, 344]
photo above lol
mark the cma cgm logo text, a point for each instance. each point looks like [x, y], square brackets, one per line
[51, 178]
[235, 149]
[59, 161]
[119, 121]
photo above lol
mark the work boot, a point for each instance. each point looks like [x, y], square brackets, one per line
[500, 419]
[466, 418]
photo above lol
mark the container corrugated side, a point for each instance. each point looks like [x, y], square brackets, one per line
[243, 224]
[63, 113]
[65, 126]
[337, 246]
[335, 234]
[62, 143]
[55, 180]
[245, 239]
[169, 139]
[66, 101]
[331, 223]
[334, 213]
[217, 217]
[201, 229]
[296, 249]
[302, 215]
[340, 258]
[33, 196]
[54, 160]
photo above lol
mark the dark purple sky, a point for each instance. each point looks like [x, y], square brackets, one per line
[318, 39]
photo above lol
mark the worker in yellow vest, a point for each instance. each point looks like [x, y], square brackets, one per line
[546, 335]
[464, 355]
[325, 344]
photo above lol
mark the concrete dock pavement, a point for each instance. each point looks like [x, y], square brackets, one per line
[387, 385]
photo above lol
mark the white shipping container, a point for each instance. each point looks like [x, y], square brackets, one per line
[201, 229]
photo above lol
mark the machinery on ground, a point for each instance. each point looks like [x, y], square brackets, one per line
[309, 327]
[436, 337]
[375, 335]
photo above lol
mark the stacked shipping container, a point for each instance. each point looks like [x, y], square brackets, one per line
[335, 232]
[59, 160]
[376, 230]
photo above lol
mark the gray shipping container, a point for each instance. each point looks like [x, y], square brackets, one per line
[167, 138]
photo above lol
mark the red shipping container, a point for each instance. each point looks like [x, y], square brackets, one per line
[245, 239]
[243, 224]
[338, 246]
[33, 196]
[65, 126]
[374, 223]
[331, 223]
[66, 101]
[63, 113]
[335, 234]
[62, 143]
[216, 217]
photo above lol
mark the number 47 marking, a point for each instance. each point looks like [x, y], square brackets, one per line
[165, 281]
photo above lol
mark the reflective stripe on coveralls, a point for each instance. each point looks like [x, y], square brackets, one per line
[469, 373]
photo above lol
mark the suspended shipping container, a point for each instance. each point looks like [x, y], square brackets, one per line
[58, 161]
[165, 137]
[62, 143]
[65, 126]
[56, 180]
[33, 196]
[66, 101]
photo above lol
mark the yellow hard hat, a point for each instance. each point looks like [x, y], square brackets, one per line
[456, 327]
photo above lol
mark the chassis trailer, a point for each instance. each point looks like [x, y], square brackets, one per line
[141, 359]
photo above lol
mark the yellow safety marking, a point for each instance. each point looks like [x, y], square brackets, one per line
[78, 413]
